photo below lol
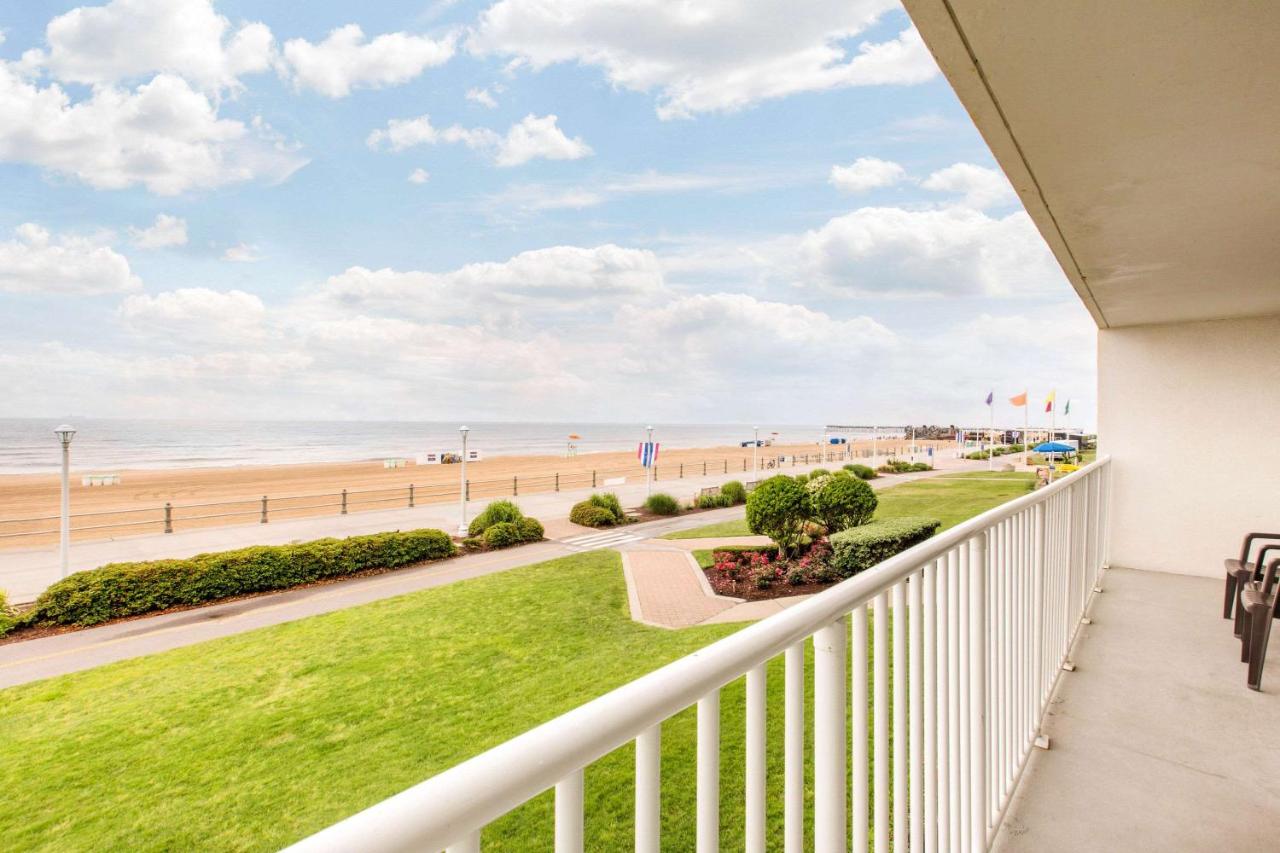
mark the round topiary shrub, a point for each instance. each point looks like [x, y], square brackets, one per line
[609, 502]
[494, 513]
[778, 508]
[530, 529]
[842, 502]
[589, 515]
[734, 491]
[504, 534]
[662, 504]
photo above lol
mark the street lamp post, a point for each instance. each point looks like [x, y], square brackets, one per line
[648, 472]
[755, 449]
[65, 433]
[462, 487]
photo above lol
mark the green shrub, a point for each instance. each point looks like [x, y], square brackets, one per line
[859, 548]
[778, 508]
[589, 515]
[494, 513]
[769, 550]
[920, 466]
[7, 618]
[862, 472]
[818, 472]
[504, 534]
[128, 589]
[734, 491]
[843, 502]
[661, 503]
[713, 501]
[531, 530]
[609, 501]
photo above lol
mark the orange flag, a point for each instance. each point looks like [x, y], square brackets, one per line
[1019, 399]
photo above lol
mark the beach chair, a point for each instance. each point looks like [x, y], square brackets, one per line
[1258, 603]
[1240, 570]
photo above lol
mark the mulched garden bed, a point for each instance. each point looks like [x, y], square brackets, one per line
[756, 574]
[750, 592]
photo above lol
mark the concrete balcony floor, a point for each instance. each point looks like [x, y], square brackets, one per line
[1157, 744]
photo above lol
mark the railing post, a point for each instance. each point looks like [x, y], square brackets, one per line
[568, 808]
[830, 743]
[593, 479]
[704, 468]
[557, 481]
[793, 751]
[470, 844]
[726, 466]
[755, 761]
[264, 510]
[515, 487]
[411, 496]
[681, 477]
[708, 774]
[1037, 608]
[466, 488]
[344, 502]
[978, 811]
[168, 517]
[649, 790]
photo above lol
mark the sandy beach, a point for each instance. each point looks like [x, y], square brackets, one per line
[205, 497]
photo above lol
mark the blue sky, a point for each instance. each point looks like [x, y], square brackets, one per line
[513, 210]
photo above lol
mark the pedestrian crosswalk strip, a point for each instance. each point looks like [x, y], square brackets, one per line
[607, 539]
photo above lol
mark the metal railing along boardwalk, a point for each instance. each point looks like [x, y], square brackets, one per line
[986, 616]
[168, 517]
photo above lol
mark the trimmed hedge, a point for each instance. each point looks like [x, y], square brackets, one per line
[862, 472]
[714, 501]
[734, 491]
[504, 534]
[531, 530]
[859, 548]
[589, 515]
[128, 589]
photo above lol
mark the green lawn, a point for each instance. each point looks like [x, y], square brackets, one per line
[253, 741]
[949, 497]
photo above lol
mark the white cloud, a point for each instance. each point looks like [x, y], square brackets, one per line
[533, 137]
[163, 135]
[482, 97]
[536, 137]
[979, 187]
[167, 231]
[866, 173]
[400, 134]
[36, 261]
[419, 176]
[129, 39]
[242, 253]
[560, 280]
[548, 196]
[195, 314]
[953, 251]
[345, 61]
[707, 57]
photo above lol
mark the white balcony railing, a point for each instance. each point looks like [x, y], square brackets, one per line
[992, 608]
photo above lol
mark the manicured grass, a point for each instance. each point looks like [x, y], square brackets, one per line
[253, 741]
[946, 497]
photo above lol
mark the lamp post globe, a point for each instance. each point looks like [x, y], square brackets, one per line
[65, 433]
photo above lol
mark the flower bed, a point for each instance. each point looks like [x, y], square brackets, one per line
[756, 572]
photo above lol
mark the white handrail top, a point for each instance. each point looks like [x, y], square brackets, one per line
[446, 807]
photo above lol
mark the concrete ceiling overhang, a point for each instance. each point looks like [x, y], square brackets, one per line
[1143, 137]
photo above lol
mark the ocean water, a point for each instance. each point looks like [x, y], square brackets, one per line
[28, 445]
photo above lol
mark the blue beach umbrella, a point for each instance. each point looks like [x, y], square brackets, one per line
[1054, 447]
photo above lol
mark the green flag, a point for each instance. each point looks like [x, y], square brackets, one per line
[1066, 410]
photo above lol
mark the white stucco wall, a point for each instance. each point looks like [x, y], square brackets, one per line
[1190, 414]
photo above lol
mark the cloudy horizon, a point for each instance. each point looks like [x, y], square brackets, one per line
[514, 210]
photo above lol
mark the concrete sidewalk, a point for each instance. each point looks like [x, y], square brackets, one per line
[25, 574]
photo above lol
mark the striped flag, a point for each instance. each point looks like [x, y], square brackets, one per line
[648, 453]
[1048, 403]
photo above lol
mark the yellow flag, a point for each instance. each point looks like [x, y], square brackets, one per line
[1048, 403]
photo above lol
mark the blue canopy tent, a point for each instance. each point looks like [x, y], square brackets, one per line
[1053, 447]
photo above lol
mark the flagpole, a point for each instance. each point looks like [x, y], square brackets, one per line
[1026, 426]
[1053, 429]
[991, 433]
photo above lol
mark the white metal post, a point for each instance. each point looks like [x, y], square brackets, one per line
[648, 790]
[65, 434]
[977, 578]
[755, 781]
[830, 646]
[793, 752]
[569, 813]
[708, 774]
[462, 486]
[861, 759]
